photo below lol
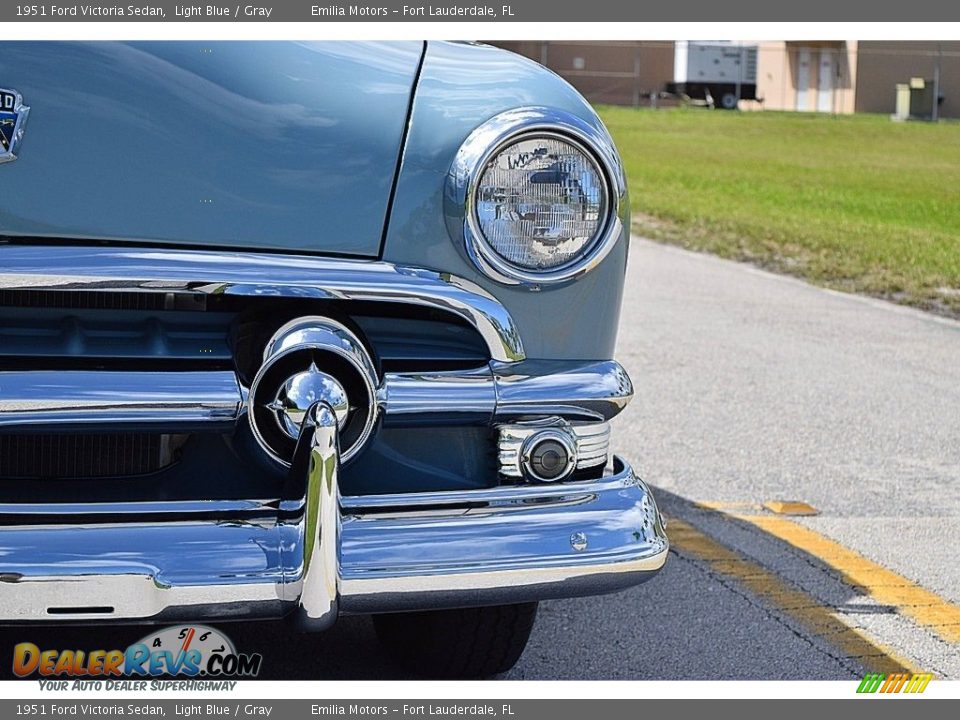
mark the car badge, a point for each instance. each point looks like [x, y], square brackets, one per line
[13, 119]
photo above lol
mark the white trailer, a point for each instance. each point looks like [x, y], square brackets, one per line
[720, 73]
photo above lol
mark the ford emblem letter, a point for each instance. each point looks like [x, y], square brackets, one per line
[13, 118]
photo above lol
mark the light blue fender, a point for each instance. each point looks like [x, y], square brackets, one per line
[461, 86]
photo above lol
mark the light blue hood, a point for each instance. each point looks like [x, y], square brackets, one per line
[247, 145]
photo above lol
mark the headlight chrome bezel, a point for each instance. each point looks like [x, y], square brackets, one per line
[501, 131]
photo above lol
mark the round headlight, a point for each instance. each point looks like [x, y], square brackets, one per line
[540, 196]
[541, 202]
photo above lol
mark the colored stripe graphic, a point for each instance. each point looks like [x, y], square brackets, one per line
[870, 683]
[918, 683]
[895, 682]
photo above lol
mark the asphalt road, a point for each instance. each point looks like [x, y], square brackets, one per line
[750, 388]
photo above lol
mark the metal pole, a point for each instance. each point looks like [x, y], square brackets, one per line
[739, 73]
[636, 77]
[935, 115]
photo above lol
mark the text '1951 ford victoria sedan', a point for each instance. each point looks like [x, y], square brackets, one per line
[303, 330]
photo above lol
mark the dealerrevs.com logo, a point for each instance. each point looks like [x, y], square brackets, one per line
[181, 650]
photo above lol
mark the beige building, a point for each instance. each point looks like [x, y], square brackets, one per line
[807, 76]
[843, 76]
[850, 76]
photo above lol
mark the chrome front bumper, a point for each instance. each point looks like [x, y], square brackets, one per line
[315, 554]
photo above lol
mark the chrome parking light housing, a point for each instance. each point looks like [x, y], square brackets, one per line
[586, 445]
[494, 137]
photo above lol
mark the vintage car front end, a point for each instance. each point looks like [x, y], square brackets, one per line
[306, 330]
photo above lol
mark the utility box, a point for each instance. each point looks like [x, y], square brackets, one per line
[723, 72]
[915, 100]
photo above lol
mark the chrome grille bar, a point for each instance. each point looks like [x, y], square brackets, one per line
[122, 398]
[588, 391]
[152, 270]
[214, 399]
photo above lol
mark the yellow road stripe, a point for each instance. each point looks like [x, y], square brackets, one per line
[820, 619]
[885, 586]
[724, 506]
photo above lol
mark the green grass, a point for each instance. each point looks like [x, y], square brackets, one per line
[858, 203]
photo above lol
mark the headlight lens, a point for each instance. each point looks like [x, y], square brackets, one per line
[541, 202]
[538, 196]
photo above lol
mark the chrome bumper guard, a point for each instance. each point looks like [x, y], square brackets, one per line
[314, 554]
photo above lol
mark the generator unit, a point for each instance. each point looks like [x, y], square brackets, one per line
[718, 73]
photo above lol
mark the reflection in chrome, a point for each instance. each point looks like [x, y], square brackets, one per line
[314, 478]
[590, 391]
[598, 390]
[177, 400]
[303, 389]
[114, 269]
[447, 549]
[579, 541]
[426, 397]
[492, 137]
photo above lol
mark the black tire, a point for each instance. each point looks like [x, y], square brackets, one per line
[467, 643]
[728, 101]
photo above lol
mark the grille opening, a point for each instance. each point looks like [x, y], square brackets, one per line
[85, 335]
[77, 299]
[158, 364]
[86, 456]
[164, 331]
[400, 338]
[210, 466]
